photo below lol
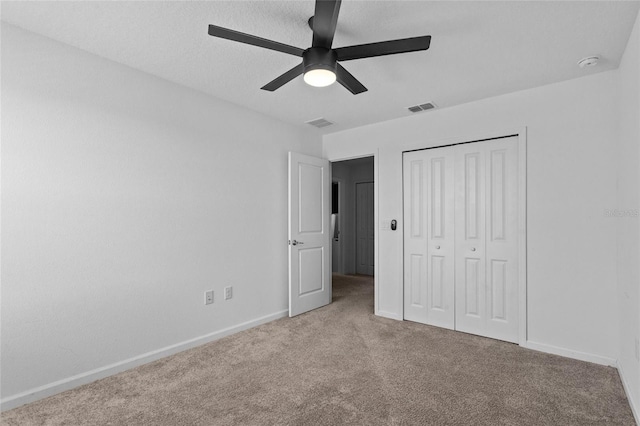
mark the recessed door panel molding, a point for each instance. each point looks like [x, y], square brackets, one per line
[437, 197]
[471, 197]
[311, 272]
[416, 199]
[497, 196]
[472, 287]
[463, 214]
[498, 290]
[438, 284]
[311, 181]
[415, 281]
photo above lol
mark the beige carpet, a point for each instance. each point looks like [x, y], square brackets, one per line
[342, 365]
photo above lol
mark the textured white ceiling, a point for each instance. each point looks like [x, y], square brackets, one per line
[478, 49]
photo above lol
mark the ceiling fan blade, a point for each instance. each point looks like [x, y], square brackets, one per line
[345, 78]
[382, 48]
[284, 78]
[325, 20]
[253, 40]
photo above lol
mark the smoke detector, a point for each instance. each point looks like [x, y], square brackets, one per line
[588, 61]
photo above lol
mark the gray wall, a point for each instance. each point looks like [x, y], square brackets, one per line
[571, 130]
[124, 198]
[628, 225]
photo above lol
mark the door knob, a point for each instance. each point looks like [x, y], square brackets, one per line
[473, 249]
[295, 243]
[437, 247]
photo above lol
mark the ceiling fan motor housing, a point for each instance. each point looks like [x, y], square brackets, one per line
[319, 58]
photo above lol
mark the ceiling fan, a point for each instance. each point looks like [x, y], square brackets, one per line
[320, 62]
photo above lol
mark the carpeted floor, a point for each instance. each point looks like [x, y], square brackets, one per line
[342, 365]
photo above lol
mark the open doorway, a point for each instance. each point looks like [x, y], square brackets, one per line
[352, 217]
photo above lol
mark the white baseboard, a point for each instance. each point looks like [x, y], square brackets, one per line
[44, 391]
[570, 353]
[630, 396]
[389, 315]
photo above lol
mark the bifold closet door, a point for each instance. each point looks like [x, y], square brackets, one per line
[428, 236]
[486, 247]
[461, 237]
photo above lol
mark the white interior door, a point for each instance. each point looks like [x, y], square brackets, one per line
[364, 228]
[429, 237]
[309, 233]
[487, 238]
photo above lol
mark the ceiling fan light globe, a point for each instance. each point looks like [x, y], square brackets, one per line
[319, 77]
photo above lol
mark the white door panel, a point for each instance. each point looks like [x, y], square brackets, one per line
[415, 238]
[429, 237]
[309, 233]
[486, 238]
[502, 240]
[470, 238]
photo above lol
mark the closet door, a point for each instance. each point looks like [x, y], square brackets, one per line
[429, 236]
[502, 240]
[486, 252]
[470, 237]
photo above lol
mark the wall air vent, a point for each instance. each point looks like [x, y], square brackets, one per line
[319, 122]
[422, 107]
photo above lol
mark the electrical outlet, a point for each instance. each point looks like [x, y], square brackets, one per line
[637, 349]
[208, 297]
[228, 293]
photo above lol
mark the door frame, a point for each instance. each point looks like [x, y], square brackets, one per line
[521, 134]
[376, 251]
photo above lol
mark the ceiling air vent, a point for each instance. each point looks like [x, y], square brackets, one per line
[319, 122]
[422, 107]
